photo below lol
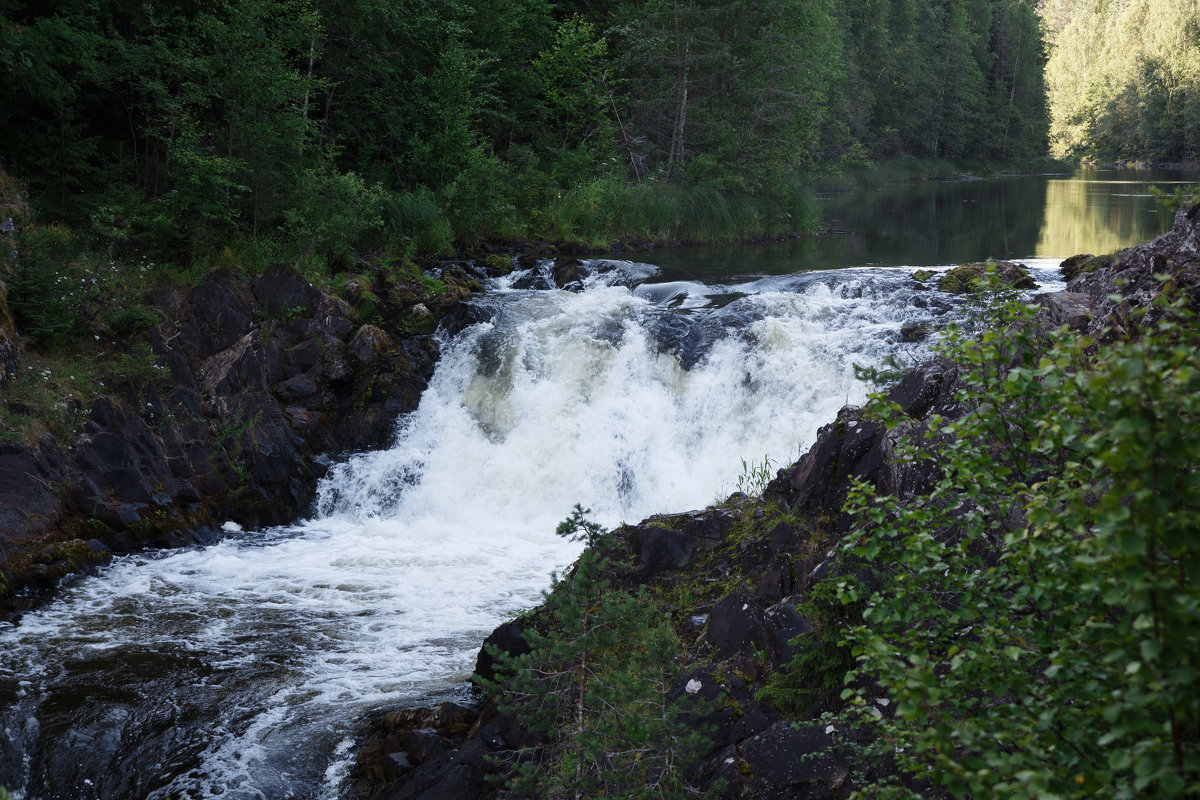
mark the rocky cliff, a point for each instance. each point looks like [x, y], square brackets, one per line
[242, 392]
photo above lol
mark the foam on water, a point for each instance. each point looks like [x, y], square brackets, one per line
[241, 667]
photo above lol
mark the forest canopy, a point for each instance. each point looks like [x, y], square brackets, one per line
[324, 127]
[1123, 78]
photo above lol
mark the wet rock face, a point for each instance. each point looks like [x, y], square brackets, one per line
[263, 379]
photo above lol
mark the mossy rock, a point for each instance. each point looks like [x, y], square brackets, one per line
[922, 275]
[963, 278]
[1076, 265]
[914, 331]
[498, 264]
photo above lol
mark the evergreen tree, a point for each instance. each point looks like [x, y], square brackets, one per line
[594, 685]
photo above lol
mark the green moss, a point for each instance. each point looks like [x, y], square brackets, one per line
[966, 277]
[498, 263]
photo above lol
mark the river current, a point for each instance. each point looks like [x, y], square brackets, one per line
[244, 669]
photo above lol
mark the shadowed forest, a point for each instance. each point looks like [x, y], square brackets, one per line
[314, 131]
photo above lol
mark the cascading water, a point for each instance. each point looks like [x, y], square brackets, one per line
[239, 669]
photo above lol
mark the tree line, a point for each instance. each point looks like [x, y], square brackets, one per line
[456, 121]
[1123, 78]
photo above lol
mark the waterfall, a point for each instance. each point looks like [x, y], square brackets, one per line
[240, 668]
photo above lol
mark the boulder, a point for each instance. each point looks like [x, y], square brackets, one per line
[787, 624]
[369, 344]
[1073, 309]
[784, 762]
[737, 625]
[508, 639]
[962, 279]
[281, 291]
[568, 273]
[215, 316]
[1070, 267]
[668, 542]
[914, 331]
[847, 449]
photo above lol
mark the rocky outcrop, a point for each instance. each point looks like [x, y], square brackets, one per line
[1138, 276]
[250, 385]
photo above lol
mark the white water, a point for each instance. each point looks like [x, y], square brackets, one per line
[239, 669]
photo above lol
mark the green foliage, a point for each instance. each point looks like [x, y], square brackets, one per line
[1181, 197]
[593, 687]
[415, 219]
[1033, 620]
[334, 215]
[1123, 79]
[320, 131]
[824, 658]
[138, 369]
[133, 318]
[755, 477]
[45, 291]
[51, 394]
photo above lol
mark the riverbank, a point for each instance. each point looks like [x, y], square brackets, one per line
[220, 412]
[760, 594]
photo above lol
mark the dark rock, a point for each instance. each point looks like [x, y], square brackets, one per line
[1072, 266]
[281, 291]
[914, 331]
[926, 387]
[1134, 274]
[28, 502]
[538, 277]
[568, 273]
[296, 389]
[507, 639]
[10, 343]
[738, 624]
[423, 744]
[846, 450]
[784, 761]
[1073, 309]
[787, 623]
[215, 316]
[369, 344]
[669, 541]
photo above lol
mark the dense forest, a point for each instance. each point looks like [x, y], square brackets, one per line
[317, 129]
[325, 127]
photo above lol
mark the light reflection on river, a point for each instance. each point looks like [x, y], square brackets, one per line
[1091, 210]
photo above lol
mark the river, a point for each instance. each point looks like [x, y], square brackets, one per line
[243, 669]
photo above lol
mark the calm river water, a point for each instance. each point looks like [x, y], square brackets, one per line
[243, 669]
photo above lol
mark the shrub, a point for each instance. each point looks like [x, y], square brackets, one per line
[43, 290]
[415, 219]
[1036, 616]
